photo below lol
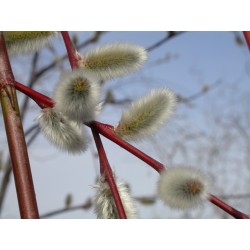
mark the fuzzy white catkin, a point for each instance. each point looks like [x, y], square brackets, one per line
[105, 207]
[113, 60]
[78, 102]
[183, 187]
[64, 134]
[146, 115]
[27, 41]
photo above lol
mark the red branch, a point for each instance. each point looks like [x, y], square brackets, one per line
[230, 210]
[42, 100]
[16, 140]
[72, 53]
[247, 37]
[106, 131]
[106, 170]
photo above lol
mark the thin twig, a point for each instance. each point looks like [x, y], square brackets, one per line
[205, 89]
[29, 130]
[84, 206]
[169, 35]
[31, 82]
[144, 200]
[235, 196]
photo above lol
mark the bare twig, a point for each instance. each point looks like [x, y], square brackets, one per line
[169, 35]
[84, 206]
[31, 82]
[205, 89]
[234, 196]
[144, 200]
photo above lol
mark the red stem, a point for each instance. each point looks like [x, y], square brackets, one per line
[230, 210]
[72, 53]
[16, 140]
[247, 38]
[106, 131]
[42, 100]
[105, 167]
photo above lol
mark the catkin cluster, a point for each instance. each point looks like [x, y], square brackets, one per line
[77, 102]
[77, 93]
